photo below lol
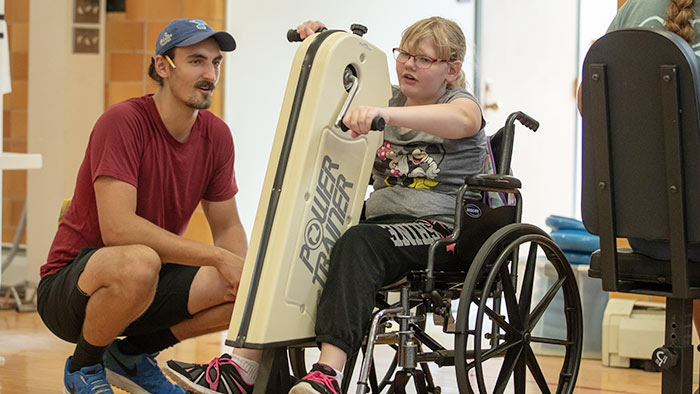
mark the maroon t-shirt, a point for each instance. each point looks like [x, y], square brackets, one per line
[130, 143]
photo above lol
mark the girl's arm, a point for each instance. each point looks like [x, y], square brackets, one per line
[459, 118]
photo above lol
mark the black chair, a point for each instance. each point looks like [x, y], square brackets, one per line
[641, 176]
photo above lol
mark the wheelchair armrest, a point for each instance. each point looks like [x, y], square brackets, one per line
[493, 181]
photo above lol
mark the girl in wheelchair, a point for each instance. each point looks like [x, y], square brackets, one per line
[433, 139]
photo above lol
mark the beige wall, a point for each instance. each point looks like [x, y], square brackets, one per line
[65, 98]
[14, 183]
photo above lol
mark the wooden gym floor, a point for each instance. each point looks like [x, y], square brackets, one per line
[32, 360]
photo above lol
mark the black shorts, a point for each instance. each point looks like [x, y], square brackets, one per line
[61, 304]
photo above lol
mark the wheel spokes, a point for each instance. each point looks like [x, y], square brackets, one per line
[520, 371]
[511, 302]
[509, 332]
[551, 341]
[498, 319]
[536, 371]
[495, 352]
[528, 283]
[544, 303]
[509, 363]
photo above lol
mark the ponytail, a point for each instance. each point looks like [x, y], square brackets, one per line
[678, 17]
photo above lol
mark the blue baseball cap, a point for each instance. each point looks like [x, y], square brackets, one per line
[185, 32]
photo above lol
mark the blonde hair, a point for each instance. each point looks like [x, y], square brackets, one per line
[445, 35]
[678, 16]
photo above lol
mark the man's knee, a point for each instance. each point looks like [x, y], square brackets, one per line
[139, 266]
[131, 269]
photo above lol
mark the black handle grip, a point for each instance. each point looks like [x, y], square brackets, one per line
[358, 29]
[293, 36]
[527, 121]
[378, 124]
[509, 135]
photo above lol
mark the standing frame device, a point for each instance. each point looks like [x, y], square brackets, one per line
[314, 188]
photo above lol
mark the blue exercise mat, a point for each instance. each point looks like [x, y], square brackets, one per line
[563, 223]
[578, 257]
[576, 240]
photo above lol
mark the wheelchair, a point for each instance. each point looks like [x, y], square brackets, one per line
[496, 318]
[499, 317]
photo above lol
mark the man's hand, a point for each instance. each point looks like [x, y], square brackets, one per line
[230, 266]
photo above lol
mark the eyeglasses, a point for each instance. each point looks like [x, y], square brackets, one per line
[421, 61]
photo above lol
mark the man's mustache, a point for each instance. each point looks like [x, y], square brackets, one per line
[205, 85]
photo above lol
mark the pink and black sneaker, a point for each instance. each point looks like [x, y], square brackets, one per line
[221, 375]
[322, 379]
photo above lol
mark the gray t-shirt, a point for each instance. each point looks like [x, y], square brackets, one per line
[651, 14]
[417, 173]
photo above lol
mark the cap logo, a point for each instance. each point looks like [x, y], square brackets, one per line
[199, 24]
[166, 38]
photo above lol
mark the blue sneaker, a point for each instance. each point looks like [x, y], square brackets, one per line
[88, 380]
[137, 374]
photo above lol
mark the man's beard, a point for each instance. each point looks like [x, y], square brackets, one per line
[196, 102]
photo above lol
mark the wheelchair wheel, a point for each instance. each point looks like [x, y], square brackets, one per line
[502, 359]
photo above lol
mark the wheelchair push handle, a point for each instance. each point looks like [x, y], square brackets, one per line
[509, 135]
[378, 124]
[526, 120]
[293, 36]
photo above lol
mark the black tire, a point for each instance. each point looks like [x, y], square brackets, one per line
[491, 273]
